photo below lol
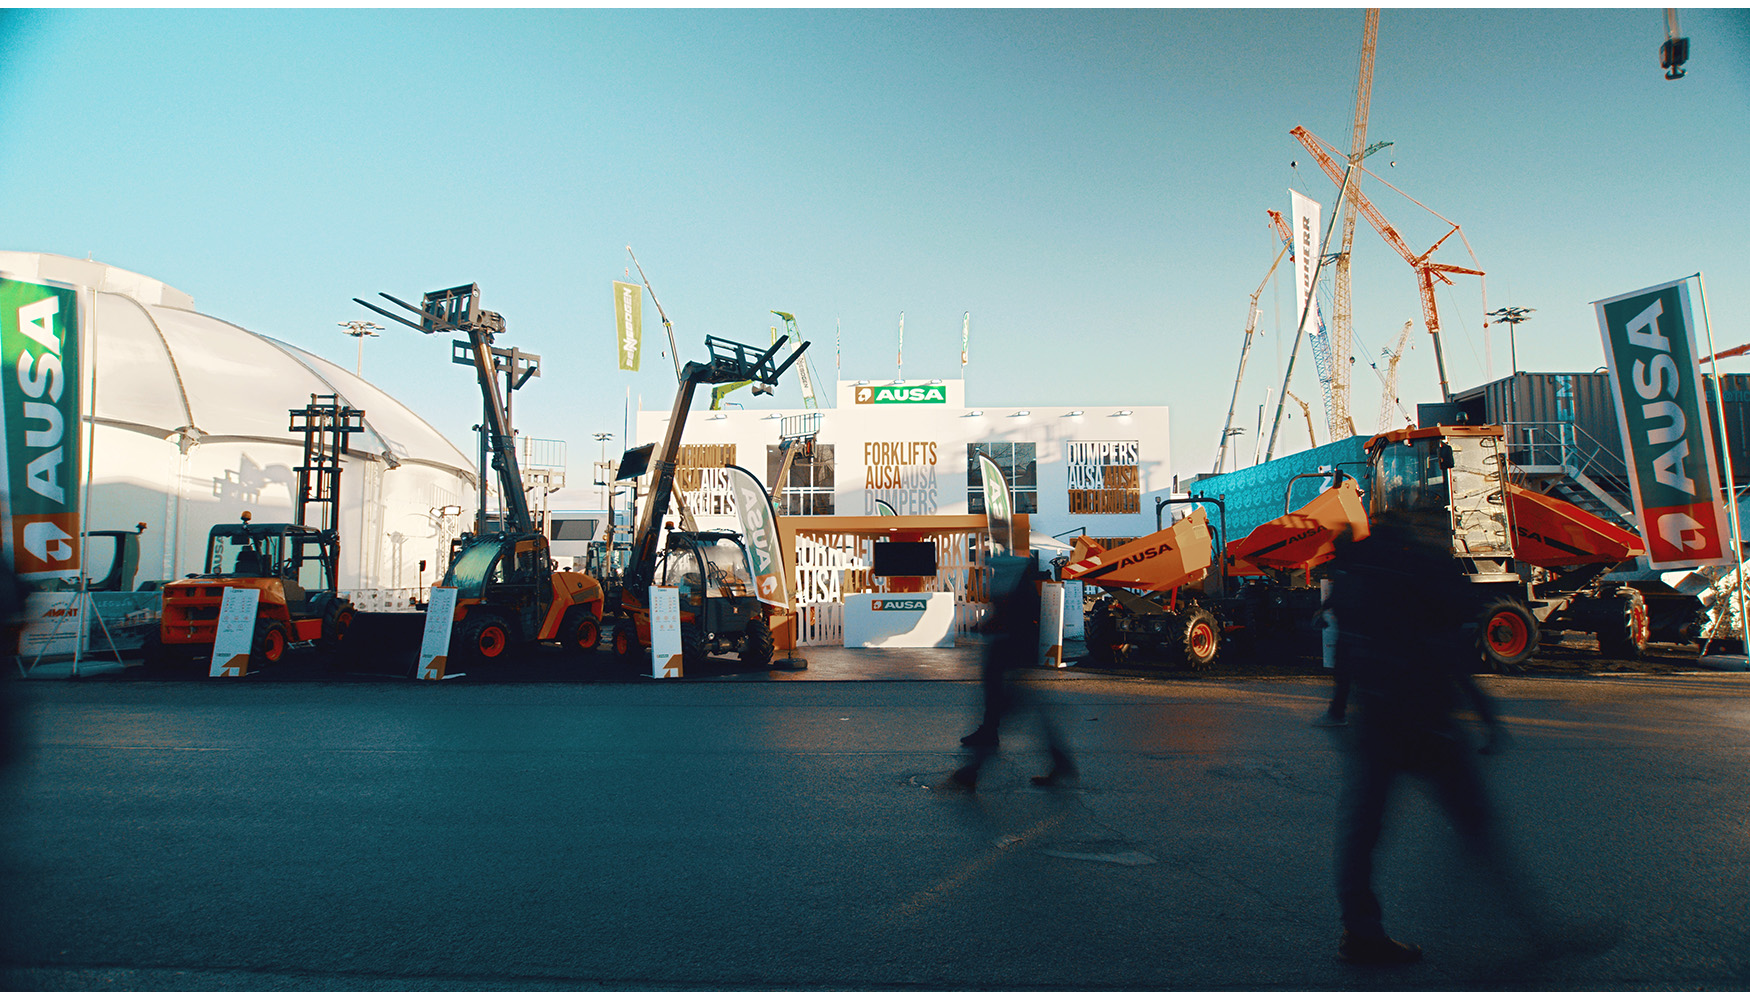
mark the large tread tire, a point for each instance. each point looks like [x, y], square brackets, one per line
[692, 647]
[336, 623]
[756, 644]
[1101, 635]
[269, 646]
[483, 638]
[1507, 635]
[1199, 641]
[580, 630]
[1627, 638]
[625, 638]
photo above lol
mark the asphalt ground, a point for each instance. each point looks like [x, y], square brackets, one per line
[559, 826]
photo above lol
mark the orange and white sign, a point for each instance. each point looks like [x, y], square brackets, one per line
[434, 647]
[236, 632]
[665, 632]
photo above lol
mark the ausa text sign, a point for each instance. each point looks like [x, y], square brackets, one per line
[1649, 340]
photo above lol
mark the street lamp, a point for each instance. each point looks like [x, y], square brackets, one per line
[1512, 316]
[602, 438]
[360, 329]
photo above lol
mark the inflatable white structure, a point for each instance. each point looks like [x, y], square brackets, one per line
[186, 419]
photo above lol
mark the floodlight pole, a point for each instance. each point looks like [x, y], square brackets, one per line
[359, 329]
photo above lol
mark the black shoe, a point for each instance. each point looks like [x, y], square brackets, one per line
[980, 737]
[1056, 776]
[963, 780]
[1377, 951]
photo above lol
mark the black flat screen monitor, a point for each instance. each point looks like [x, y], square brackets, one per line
[904, 559]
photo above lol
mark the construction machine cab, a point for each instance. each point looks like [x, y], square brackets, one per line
[301, 558]
[1450, 481]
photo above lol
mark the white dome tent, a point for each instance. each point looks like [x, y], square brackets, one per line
[188, 417]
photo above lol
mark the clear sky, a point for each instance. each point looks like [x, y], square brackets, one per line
[1091, 186]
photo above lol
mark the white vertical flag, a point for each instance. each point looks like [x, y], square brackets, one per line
[1306, 255]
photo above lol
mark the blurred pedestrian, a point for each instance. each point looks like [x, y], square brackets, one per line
[1014, 645]
[1400, 602]
[1335, 714]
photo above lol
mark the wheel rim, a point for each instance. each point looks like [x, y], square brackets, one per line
[492, 641]
[1507, 634]
[274, 647]
[1640, 626]
[588, 634]
[1202, 639]
[622, 642]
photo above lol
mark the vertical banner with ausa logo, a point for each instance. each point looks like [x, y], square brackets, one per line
[759, 530]
[996, 504]
[39, 364]
[1649, 341]
[628, 307]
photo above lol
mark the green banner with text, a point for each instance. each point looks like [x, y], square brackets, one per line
[39, 359]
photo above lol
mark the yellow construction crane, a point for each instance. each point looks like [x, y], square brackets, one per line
[1312, 440]
[1342, 324]
[1388, 400]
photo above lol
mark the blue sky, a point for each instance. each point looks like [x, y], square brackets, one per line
[1090, 186]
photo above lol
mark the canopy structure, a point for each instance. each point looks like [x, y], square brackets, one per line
[189, 426]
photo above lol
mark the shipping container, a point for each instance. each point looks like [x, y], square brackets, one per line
[1551, 415]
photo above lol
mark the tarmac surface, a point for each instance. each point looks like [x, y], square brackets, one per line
[552, 825]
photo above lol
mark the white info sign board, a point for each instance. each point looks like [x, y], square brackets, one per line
[236, 632]
[665, 632]
[1051, 624]
[434, 646]
[897, 621]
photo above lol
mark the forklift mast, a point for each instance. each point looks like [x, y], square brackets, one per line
[326, 426]
[730, 362]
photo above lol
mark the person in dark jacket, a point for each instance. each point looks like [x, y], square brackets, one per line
[1014, 645]
[1400, 604]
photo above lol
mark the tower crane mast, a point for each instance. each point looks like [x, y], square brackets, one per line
[1342, 323]
[1427, 272]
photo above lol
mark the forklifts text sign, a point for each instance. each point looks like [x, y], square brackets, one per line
[1649, 341]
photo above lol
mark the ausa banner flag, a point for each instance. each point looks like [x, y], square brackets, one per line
[1649, 340]
[39, 365]
[996, 504]
[628, 307]
[759, 529]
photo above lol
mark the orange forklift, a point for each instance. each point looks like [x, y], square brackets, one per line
[294, 565]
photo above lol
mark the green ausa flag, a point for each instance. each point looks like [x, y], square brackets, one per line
[39, 340]
[628, 307]
[759, 530]
[996, 504]
[1649, 341]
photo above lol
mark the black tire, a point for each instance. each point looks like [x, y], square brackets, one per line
[483, 638]
[336, 622]
[1199, 638]
[580, 630]
[270, 645]
[756, 644]
[625, 638]
[1101, 635]
[692, 647]
[1627, 637]
[1507, 635]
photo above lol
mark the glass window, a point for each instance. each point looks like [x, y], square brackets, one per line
[311, 575]
[1019, 464]
[808, 488]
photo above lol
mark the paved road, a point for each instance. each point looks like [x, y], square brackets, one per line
[376, 835]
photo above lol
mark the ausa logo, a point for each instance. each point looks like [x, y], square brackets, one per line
[902, 394]
[897, 604]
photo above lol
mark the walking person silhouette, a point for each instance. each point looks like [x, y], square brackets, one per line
[1014, 645]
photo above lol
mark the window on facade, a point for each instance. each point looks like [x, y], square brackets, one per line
[808, 488]
[1019, 465]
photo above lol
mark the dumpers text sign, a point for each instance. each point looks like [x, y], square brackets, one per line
[39, 365]
[1649, 341]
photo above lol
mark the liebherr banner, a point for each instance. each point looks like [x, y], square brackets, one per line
[628, 307]
[1306, 214]
[759, 530]
[1649, 342]
[39, 364]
